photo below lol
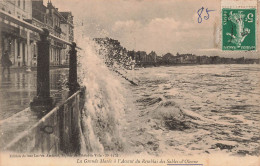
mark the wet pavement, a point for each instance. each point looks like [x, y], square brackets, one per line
[19, 88]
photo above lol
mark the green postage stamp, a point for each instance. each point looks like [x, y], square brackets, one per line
[238, 29]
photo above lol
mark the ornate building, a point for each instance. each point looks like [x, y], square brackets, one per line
[68, 32]
[13, 38]
[21, 43]
[49, 17]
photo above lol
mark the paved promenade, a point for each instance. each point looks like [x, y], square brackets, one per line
[19, 88]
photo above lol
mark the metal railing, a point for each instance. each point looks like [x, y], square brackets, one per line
[58, 128]
[58, 132]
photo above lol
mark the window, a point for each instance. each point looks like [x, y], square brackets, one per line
[19, 3]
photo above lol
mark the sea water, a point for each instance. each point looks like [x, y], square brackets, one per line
[181, 110]
[195, 109]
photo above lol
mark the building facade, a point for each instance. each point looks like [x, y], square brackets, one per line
[67, 34]
[60, 24]
[21, 43]
[13, 38]
[142, 58]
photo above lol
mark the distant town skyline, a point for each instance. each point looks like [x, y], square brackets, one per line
[115, 52]
[151, 25]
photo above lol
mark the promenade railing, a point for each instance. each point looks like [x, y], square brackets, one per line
[57, 128]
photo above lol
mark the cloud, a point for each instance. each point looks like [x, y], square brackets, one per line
[165, 23]
[155, 23]
[126, 25]
[159, 25]
[159, 34]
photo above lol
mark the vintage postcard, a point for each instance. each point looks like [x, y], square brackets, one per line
[129, 82]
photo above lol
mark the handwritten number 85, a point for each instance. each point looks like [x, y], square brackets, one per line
[200, 11]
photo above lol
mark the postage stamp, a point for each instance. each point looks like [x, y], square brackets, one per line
[238, 29]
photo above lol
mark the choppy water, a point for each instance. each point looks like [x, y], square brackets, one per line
[196, 109]
[180, 110]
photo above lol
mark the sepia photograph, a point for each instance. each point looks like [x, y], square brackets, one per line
[129, 82]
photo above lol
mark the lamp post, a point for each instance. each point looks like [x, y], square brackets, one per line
[43, 102]
[73, 83]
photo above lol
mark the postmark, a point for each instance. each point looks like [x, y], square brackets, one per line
[239, 29]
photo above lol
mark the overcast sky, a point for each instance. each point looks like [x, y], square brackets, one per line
[159, 25]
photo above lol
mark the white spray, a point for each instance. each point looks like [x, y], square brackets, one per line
[104, 107]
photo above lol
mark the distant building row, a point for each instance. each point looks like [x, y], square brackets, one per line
[113, 49]
[21, 43]
[144, 59]
[170, 59]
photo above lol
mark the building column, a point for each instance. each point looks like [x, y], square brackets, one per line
[24, 53]
[50, 52]
[60, 57]
[29, 52]
[55, 56]
[20, 53]
[15, 52]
